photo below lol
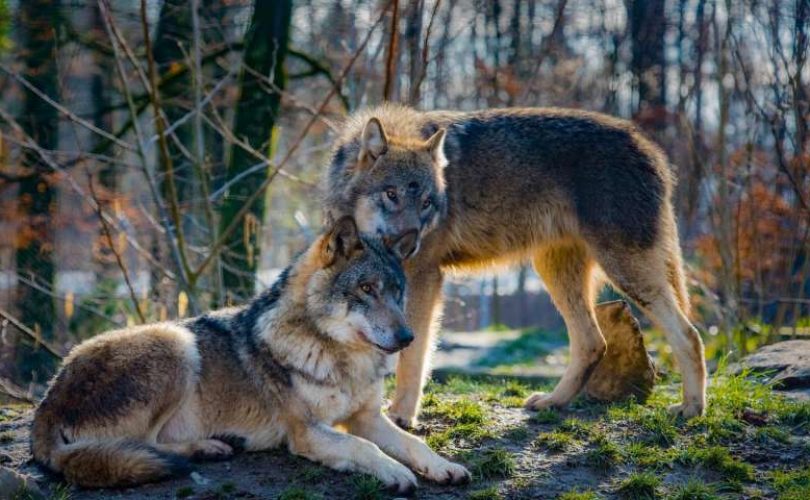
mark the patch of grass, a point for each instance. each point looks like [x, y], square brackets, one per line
[299, 493]
[648, 456]
[492, 464]
[555, 441]
[227, 488]
[694, 489]
[604, 455]
[640, 486]
[462, 411]
[184, 492]
[471, 433]
[310, 473]
[546, 416]
[719, 459]
[771, 433]
[490, 493]
[516, 433]
[576, 427]
[659, 426]
[367, 488]
[579, 495]
[792, 484]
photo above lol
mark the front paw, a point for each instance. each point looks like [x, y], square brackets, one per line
[403, 421]
[446, 472]
[541, 401]
[396, 477]
[687, 410]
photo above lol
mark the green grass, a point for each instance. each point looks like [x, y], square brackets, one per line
[491, 464]
[720, 460]
[491, 493]
[640, 486]
[300, 493]
[184, 492]
[462, 411]
[367, 488]
[648, 456]
[546, 416]
[555, 441]
[578, 495]
[604, 455]
[792, 484]
[694, 489]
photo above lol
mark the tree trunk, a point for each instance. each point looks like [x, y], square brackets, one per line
[37, 194]
[256, 114]
[647, 31]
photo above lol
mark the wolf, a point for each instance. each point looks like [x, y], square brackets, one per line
[135, 405]
[584, 197]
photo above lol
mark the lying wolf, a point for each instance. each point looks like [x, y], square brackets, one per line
[135, 405]
[583, 196]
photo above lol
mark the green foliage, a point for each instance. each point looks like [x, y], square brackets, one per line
[640, 486]
[605, 453]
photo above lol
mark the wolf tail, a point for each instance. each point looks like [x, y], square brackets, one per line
[101, 463]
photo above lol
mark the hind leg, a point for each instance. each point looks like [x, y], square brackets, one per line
[653, 279]
[567, 272]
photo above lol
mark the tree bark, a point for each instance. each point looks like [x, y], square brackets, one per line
[256, 115]
[39, 21]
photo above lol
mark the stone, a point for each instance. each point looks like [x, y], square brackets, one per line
[626, 369]
[16, 485]
[787, 363]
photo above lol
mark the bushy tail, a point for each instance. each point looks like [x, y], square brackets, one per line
[103, 463]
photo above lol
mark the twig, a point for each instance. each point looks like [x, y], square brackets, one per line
[14, 391]
[38, 340]
[425, 53]
[106, 228]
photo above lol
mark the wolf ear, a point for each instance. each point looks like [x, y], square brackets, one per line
[435, 146]
[373, 142]
[341, 241]
[403, 246]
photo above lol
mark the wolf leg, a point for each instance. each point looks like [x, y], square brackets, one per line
[567, 272]
[346, 452]
[406, 448]
[204, 449]
[653, 279]
[423, 306]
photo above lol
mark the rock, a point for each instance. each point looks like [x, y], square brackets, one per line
[626, 370]
[16, 485]
[788, 363]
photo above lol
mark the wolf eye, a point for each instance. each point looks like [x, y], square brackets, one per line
[391, 194]
[366, 288]
[426, 204]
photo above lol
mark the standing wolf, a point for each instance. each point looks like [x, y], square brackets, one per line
[134, 405]
[583, 196]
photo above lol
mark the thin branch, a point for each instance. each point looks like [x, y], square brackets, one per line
[13, 391]
[38, 340]
[425, 54]
[106, 228]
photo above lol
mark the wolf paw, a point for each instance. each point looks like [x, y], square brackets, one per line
[404, 422]
[211, 449]
[446, 472]
[541, 401]
[686, 410]
[396, 477]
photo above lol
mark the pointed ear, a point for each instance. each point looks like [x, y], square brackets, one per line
[405, 245]
[373, 142]
[435, 146]
[341, 241]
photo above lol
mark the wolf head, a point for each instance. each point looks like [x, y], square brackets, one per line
[396, 186]
[356, 292]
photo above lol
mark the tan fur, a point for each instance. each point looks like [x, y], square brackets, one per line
[129, 406]
[498, 219]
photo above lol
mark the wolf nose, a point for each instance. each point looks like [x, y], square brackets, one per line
[404, 337]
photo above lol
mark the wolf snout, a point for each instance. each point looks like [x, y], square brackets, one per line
[404, 337]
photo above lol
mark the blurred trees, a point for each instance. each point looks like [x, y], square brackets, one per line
[204, 128]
